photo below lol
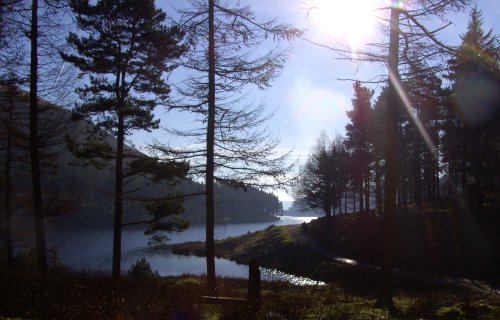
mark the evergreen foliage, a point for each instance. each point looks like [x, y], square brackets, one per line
[473, 115]
[359, 144]
[124, 48]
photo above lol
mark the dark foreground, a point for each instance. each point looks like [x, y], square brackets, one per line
[443, 242]
[144, 295]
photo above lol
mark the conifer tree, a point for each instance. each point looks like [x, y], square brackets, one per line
[408, 38]
[474, 112]
[125, 49]
[358, 141]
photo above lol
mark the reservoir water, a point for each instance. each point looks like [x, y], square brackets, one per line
[92, 250]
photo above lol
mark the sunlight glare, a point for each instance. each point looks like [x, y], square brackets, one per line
[416, 121]
[352, 22]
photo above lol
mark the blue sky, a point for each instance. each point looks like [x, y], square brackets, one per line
[308, 97]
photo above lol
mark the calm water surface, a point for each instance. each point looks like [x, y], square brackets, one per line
[92, 250]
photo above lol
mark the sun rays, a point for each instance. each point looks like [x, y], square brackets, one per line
[416, 121]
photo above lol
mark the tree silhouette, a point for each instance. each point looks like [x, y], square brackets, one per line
[409, 38]
[227, 54]
[473, 114]
[409, 41]
[8, 134]
[320, 183]
[124, 48]
[30, 37]
[358, 141]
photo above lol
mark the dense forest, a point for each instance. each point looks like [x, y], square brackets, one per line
[447, 142]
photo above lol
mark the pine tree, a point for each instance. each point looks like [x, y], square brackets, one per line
[473, 116]
[358, 141]
[404, 20]
[422, 127]
[125, 48]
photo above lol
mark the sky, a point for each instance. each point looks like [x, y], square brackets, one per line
[308, 97]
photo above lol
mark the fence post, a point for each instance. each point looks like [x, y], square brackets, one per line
[253, 281]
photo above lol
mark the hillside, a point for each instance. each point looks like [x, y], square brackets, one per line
[82, 195]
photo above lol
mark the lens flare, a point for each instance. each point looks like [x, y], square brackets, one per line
[418, 123]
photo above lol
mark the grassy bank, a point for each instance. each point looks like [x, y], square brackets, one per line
[447, 241]
[274, 247]
[67, 295]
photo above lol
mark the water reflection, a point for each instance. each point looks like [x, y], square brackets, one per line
[179, 265]
[276, 275]
[92, 250]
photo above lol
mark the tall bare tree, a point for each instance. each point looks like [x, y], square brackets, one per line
[230, 50]
[28, 54]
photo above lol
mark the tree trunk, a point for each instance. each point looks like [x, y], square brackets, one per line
[378, 191]
[391, 173]
[328, 211]
[399, 201]
[367, 188]
[345, 197]
[117, 230]
[438, 183]
[451, 179]
[417, 192]
[7, 194]
[340, 204]
[209, 177]
[361, 198]
[404, 190]
[464, 174]
[477, 168]
[353, 201]
[34, 145]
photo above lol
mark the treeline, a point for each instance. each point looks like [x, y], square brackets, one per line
[447, 143]
[81, 195]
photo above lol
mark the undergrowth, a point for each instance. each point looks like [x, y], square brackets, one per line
[142, 294]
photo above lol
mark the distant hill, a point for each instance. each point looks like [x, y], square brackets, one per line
[297, 210]
[86, 192]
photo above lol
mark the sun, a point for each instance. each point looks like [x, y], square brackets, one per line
[348, 21]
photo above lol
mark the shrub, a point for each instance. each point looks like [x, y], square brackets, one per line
[450, 312]
[141, 270]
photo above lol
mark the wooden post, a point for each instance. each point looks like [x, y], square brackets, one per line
[253, 281]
